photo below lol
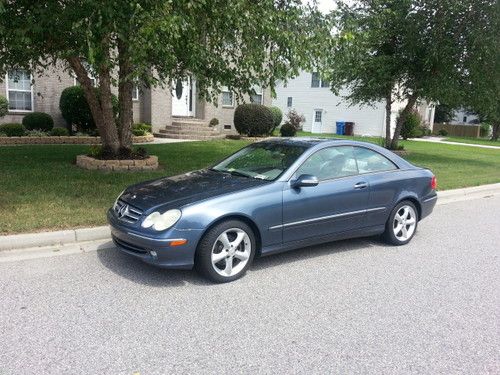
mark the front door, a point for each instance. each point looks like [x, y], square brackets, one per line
[337, 204]
[182, 105]
[317, 121]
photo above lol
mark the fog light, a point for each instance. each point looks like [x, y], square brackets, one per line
[153, 254]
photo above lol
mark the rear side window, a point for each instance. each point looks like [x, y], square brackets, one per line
[371, 161]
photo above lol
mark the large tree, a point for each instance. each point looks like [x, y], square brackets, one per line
[234, 43]
[481, 86]
[407, 50]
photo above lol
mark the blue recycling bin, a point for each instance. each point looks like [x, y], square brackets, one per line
[340, 128]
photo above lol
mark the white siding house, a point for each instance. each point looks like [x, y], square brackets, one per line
[311, 97]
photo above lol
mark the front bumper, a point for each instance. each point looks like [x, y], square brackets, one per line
[156, 251]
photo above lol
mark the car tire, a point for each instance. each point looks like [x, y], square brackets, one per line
[226, 251]
[402, 224]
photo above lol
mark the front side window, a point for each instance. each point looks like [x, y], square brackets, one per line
[329, 163]
[289, 101]
[227, 98]
[371, 161]
[19, 90]
[265, 161]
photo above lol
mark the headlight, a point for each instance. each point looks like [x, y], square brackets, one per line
[161, 221]
[116, 200]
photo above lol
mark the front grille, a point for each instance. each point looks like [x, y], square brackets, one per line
[126, 212]
[129, 247]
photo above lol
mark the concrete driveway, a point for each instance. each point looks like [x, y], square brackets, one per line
[357, 306]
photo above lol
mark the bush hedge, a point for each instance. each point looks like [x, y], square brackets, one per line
[13, 130]
[253, 120]
[76, 111]
[277, 117]
[288, 130]
[4, 106]
[38, 121]
[59, 132]
[411, 126]
[141, 129]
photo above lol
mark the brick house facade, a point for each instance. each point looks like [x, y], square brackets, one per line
[157, 106]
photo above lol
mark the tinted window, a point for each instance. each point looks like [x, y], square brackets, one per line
[328, 163]
[371, 161]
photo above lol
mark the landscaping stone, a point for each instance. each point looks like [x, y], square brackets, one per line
[88, 162]
[80, 140]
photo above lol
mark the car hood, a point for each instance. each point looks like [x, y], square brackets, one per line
[178, 191]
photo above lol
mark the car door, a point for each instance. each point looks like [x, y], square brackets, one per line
[334, 206]
[382, 176]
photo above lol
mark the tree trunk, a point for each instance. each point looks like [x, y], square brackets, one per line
[125, 87]
[101, 108]
[388, 109]
[496, 131]
[401, 119]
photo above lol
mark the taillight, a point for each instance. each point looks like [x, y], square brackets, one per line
[434, 183]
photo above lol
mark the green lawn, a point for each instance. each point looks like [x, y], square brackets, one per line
[41, 188]
[475, 141]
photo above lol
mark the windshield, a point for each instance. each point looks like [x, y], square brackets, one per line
[265, 161]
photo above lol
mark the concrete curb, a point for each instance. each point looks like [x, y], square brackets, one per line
[76, 236]
[62, 237]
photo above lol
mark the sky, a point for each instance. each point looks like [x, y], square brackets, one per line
[326, 5]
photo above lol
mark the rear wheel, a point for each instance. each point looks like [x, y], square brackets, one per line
[402, 223]
[226, 251]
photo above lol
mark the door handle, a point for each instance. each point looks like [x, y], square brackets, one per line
[361, 185]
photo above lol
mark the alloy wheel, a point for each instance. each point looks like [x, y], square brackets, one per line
[230, 252]
[405, 222]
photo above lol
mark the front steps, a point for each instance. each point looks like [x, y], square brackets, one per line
[189, 128]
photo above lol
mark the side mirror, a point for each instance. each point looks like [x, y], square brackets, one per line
[305, 180]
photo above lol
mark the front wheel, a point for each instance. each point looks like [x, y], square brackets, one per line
[226, 251]
[402, 223]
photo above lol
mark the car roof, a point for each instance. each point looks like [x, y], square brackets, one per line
[311, 141]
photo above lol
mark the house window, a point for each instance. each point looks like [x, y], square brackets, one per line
[316, 81]
[227, 98]
[289, 101]
[19, 90]
[135, 93]
[256, 96]
[465, 120]
[317, 116]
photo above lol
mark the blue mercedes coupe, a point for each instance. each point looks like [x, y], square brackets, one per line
[271, 196]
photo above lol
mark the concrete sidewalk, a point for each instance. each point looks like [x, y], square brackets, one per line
[85, 238]
[441, 140]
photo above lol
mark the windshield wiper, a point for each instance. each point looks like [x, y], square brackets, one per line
[237, 173]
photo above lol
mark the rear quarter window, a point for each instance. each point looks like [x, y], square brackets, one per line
[371, 161]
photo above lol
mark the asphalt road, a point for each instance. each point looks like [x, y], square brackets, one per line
[430, 307]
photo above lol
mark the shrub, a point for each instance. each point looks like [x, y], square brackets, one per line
[38, 121]
[76, 111]
[277, 117]
[295, 119]
[411, 125]
[59, 132]
[104, 153]
[213, 122]
[288, 130]
[253, 120]
[141, 129]
[4, 106]
[2, 134]
[484, 130]
[13, 130]
[443, 132]
[36, 133]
